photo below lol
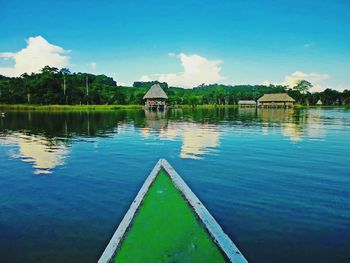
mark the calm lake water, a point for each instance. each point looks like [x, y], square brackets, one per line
[277, 181]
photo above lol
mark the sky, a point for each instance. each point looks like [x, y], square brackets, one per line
[184, 42]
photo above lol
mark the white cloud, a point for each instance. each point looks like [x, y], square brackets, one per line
[316, 79]
[340, 87]
[266, 83]
[38, 54]
[195, 71]
[92, 65]
[145, 78]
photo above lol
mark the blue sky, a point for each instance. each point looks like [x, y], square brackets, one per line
[183, 42]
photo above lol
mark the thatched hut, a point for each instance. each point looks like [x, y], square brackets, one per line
[155, 98]
[247, 103]
[276, 100]
[319, 103]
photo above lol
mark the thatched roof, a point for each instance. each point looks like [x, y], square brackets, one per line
[319, 102]
[155, 92]
[247, 102]
[276, 97]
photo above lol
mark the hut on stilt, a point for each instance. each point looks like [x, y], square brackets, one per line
[155, 98]
[247, 103]
[276, 100]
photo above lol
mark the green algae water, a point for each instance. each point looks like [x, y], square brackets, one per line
[276, 181]
[165, 229]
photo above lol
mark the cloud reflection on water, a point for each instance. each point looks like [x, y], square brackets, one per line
[44, 139]
[43, 154]
[197, 138]
[294, 127]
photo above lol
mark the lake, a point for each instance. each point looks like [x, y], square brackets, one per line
[277, 181]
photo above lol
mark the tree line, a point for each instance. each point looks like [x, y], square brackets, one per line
[60, 86]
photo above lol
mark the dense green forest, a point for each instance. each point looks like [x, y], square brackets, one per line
[60, 86]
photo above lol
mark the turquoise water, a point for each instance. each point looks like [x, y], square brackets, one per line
[277, 181]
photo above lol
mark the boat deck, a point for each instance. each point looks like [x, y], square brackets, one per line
[167, 223]
[166, 230]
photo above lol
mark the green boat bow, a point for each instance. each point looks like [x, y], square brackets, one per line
[167, 223]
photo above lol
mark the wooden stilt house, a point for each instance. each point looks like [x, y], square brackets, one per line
[276, 100]
[155, 98]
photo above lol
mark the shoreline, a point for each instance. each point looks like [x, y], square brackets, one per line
[30, 107]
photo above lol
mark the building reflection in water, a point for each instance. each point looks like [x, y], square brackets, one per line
[156, 121]
[197, 139]
[43, 154]
[285, 120]
[38, 136]
[294, 125]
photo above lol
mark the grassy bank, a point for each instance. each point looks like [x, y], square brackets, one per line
[27, 107]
